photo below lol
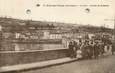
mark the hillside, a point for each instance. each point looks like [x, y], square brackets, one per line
[69, 26]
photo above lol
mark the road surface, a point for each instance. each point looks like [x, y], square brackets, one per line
[104, 64]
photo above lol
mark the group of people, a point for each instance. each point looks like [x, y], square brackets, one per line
[88, 49]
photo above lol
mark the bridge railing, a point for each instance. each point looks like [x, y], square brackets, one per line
[8, 58]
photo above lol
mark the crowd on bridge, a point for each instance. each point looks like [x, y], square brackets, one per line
[89, 48]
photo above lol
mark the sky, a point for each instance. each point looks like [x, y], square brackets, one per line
[97, 15]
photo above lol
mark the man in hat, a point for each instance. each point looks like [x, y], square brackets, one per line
[71, 49]
[96, 49]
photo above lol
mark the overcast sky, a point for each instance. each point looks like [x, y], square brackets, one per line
[76, 14]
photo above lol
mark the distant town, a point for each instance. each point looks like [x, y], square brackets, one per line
[15, 34]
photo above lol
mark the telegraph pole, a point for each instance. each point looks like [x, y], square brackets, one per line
[114, 30]
[0, 37]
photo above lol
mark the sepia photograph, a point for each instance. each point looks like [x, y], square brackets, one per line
[57, 36]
